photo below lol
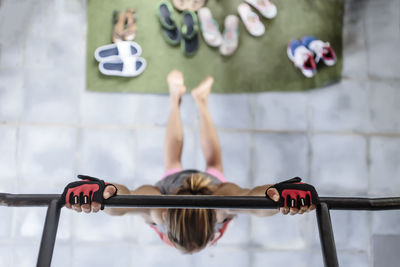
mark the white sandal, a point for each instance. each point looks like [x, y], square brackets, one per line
[121, 49]
[230, 37]
[131, 66]
[266, 8]
[209, 27]
[251, 20]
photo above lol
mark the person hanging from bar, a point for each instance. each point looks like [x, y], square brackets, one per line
[189, 230]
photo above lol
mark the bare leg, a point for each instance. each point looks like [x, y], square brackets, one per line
[174, 136]
[208, 135]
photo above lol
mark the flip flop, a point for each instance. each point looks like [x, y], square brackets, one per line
[170, 30]
[125, 67]
[190, 29]
[266, 8]
[230, 37]
[121, 49]
[209, 28]
[130, 30]
[251, 20]
[119, 23]
[192, 5]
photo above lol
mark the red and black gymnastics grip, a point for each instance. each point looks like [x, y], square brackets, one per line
[294, 194]
[89, 190]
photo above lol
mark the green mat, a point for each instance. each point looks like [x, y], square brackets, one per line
[260, 63]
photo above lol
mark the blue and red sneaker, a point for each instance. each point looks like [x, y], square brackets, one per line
[322, 50]
[302, 58]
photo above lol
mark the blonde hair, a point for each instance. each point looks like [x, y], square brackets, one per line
[190, 230]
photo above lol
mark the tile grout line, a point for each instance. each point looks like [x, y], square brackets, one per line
[368, 139]
[222, 129]
[251, 175]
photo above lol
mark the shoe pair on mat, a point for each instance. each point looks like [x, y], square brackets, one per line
[124, 25]
[187, 35]
[305, 54]
[251, 20]
[120, 59]
[228, 40]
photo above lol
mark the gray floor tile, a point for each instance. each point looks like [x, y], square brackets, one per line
[158, 114]
[8, 185]
[278, 157]
[64, 231]
[8, 156]
[29, 223]
[383, 38]
[149, 155]
[280, 111]
[152, 116]
[6, 255]
[103, 108]
[190, 149]
[282, 258]
[386, 222]
[216, 257]
[386, 250]
[331, 172]
[51, 98]
[87, 227]
[237, 233]
[340, 107]
[385, 97]
[385, 169]
[235, 149]
[47, 158]
[5, 222]
[351, 230]
[62, 255]
[353, 259]
[281, 232]
[108, 154]
[116, 254]
[231, 111]
[14, 21]
[26, 254]
[143, 234]
[354, 43]
[11, 95]
[159, 256]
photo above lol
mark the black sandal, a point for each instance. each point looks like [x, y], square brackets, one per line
[190, 30]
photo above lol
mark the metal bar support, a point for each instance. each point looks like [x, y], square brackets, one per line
[49, 234]
[326, 236]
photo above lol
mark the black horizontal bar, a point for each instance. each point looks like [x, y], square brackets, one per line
[232, 202]
[353, 203]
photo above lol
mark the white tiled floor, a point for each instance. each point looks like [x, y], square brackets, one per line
[344, 138]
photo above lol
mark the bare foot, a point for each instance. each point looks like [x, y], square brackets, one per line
[175, 84]
[201, 92]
